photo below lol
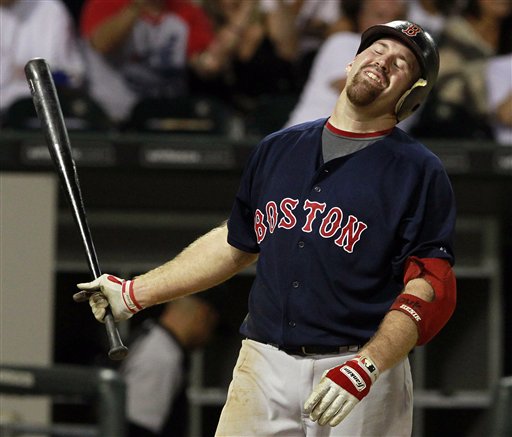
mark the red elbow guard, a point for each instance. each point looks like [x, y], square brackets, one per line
[430, 317]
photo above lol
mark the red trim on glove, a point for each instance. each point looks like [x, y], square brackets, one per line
[132, 296]
[114, 279]
[128, 295]
[356, 376]
[126, 303]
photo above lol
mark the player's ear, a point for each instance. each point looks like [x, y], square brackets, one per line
[349, 67]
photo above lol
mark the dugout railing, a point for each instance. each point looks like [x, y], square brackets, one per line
[100, 387]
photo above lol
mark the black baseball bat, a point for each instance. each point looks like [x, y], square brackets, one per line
[49, 112]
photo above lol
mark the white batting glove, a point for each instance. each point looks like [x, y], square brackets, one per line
[109, 290]
[340, 390]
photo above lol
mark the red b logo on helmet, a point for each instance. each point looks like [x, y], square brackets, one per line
[412, 30]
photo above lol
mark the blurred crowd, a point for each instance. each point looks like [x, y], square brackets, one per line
[268, 63]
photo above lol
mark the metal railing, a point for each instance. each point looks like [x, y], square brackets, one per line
[101, 387]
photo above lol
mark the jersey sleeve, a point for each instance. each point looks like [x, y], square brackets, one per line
[427, 230]
[241, 232]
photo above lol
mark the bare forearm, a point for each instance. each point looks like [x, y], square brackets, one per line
[283, 32]
[227, 42]
[396, 337]
[215, 58]
[112, 33]
[397, 334]
[207, 262]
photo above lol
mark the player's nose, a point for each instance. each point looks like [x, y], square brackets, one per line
[383, 63]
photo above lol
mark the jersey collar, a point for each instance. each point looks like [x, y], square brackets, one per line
[357, 135]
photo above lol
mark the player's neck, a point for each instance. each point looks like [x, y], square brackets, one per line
[347, 117]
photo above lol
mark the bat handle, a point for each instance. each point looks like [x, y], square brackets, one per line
[117, 350]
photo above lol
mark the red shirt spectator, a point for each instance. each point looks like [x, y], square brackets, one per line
[200, 31]
[143, 48]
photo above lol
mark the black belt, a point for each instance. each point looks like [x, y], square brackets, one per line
[317, 350]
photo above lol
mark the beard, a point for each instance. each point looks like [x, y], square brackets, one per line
[360, 92]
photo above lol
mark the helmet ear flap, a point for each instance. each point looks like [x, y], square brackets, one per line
[411, 99]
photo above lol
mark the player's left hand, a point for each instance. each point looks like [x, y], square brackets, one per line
[340, 389]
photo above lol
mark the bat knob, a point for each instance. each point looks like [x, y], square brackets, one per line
[118, 353]
[117, 350]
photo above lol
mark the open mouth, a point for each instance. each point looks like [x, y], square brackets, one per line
[376, 78]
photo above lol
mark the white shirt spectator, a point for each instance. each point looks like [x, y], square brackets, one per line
[319, 94]
[499, 86]
[153, 374]
[31, 29]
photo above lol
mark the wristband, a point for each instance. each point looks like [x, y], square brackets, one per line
[127, 294]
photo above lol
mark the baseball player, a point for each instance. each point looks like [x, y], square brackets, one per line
[350, 221]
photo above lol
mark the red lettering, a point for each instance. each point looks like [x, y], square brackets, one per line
[350, 234]
[287, 206]
[272, 214]
[259, 227]
[331, 222]
[314, 209]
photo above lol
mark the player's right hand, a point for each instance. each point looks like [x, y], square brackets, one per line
[109, 290]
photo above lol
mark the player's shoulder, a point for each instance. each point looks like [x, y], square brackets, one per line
[282, 143]
[402, 144]
[304, 130]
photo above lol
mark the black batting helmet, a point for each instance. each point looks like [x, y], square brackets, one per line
[425, 50]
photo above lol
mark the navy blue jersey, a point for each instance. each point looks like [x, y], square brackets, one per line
[333, 237]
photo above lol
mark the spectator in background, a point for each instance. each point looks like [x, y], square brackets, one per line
[30, 29]
[457, 106]
[431, 14]
[312, 20]
[328, 75]
[498, 79]
[143, 48]
[156, 368]
[264, 57]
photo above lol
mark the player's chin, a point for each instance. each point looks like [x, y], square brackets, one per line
[363, 96]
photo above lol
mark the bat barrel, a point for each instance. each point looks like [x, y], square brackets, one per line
[46, 102]
[50, 114]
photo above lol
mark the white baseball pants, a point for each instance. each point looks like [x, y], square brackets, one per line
[269, 388]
